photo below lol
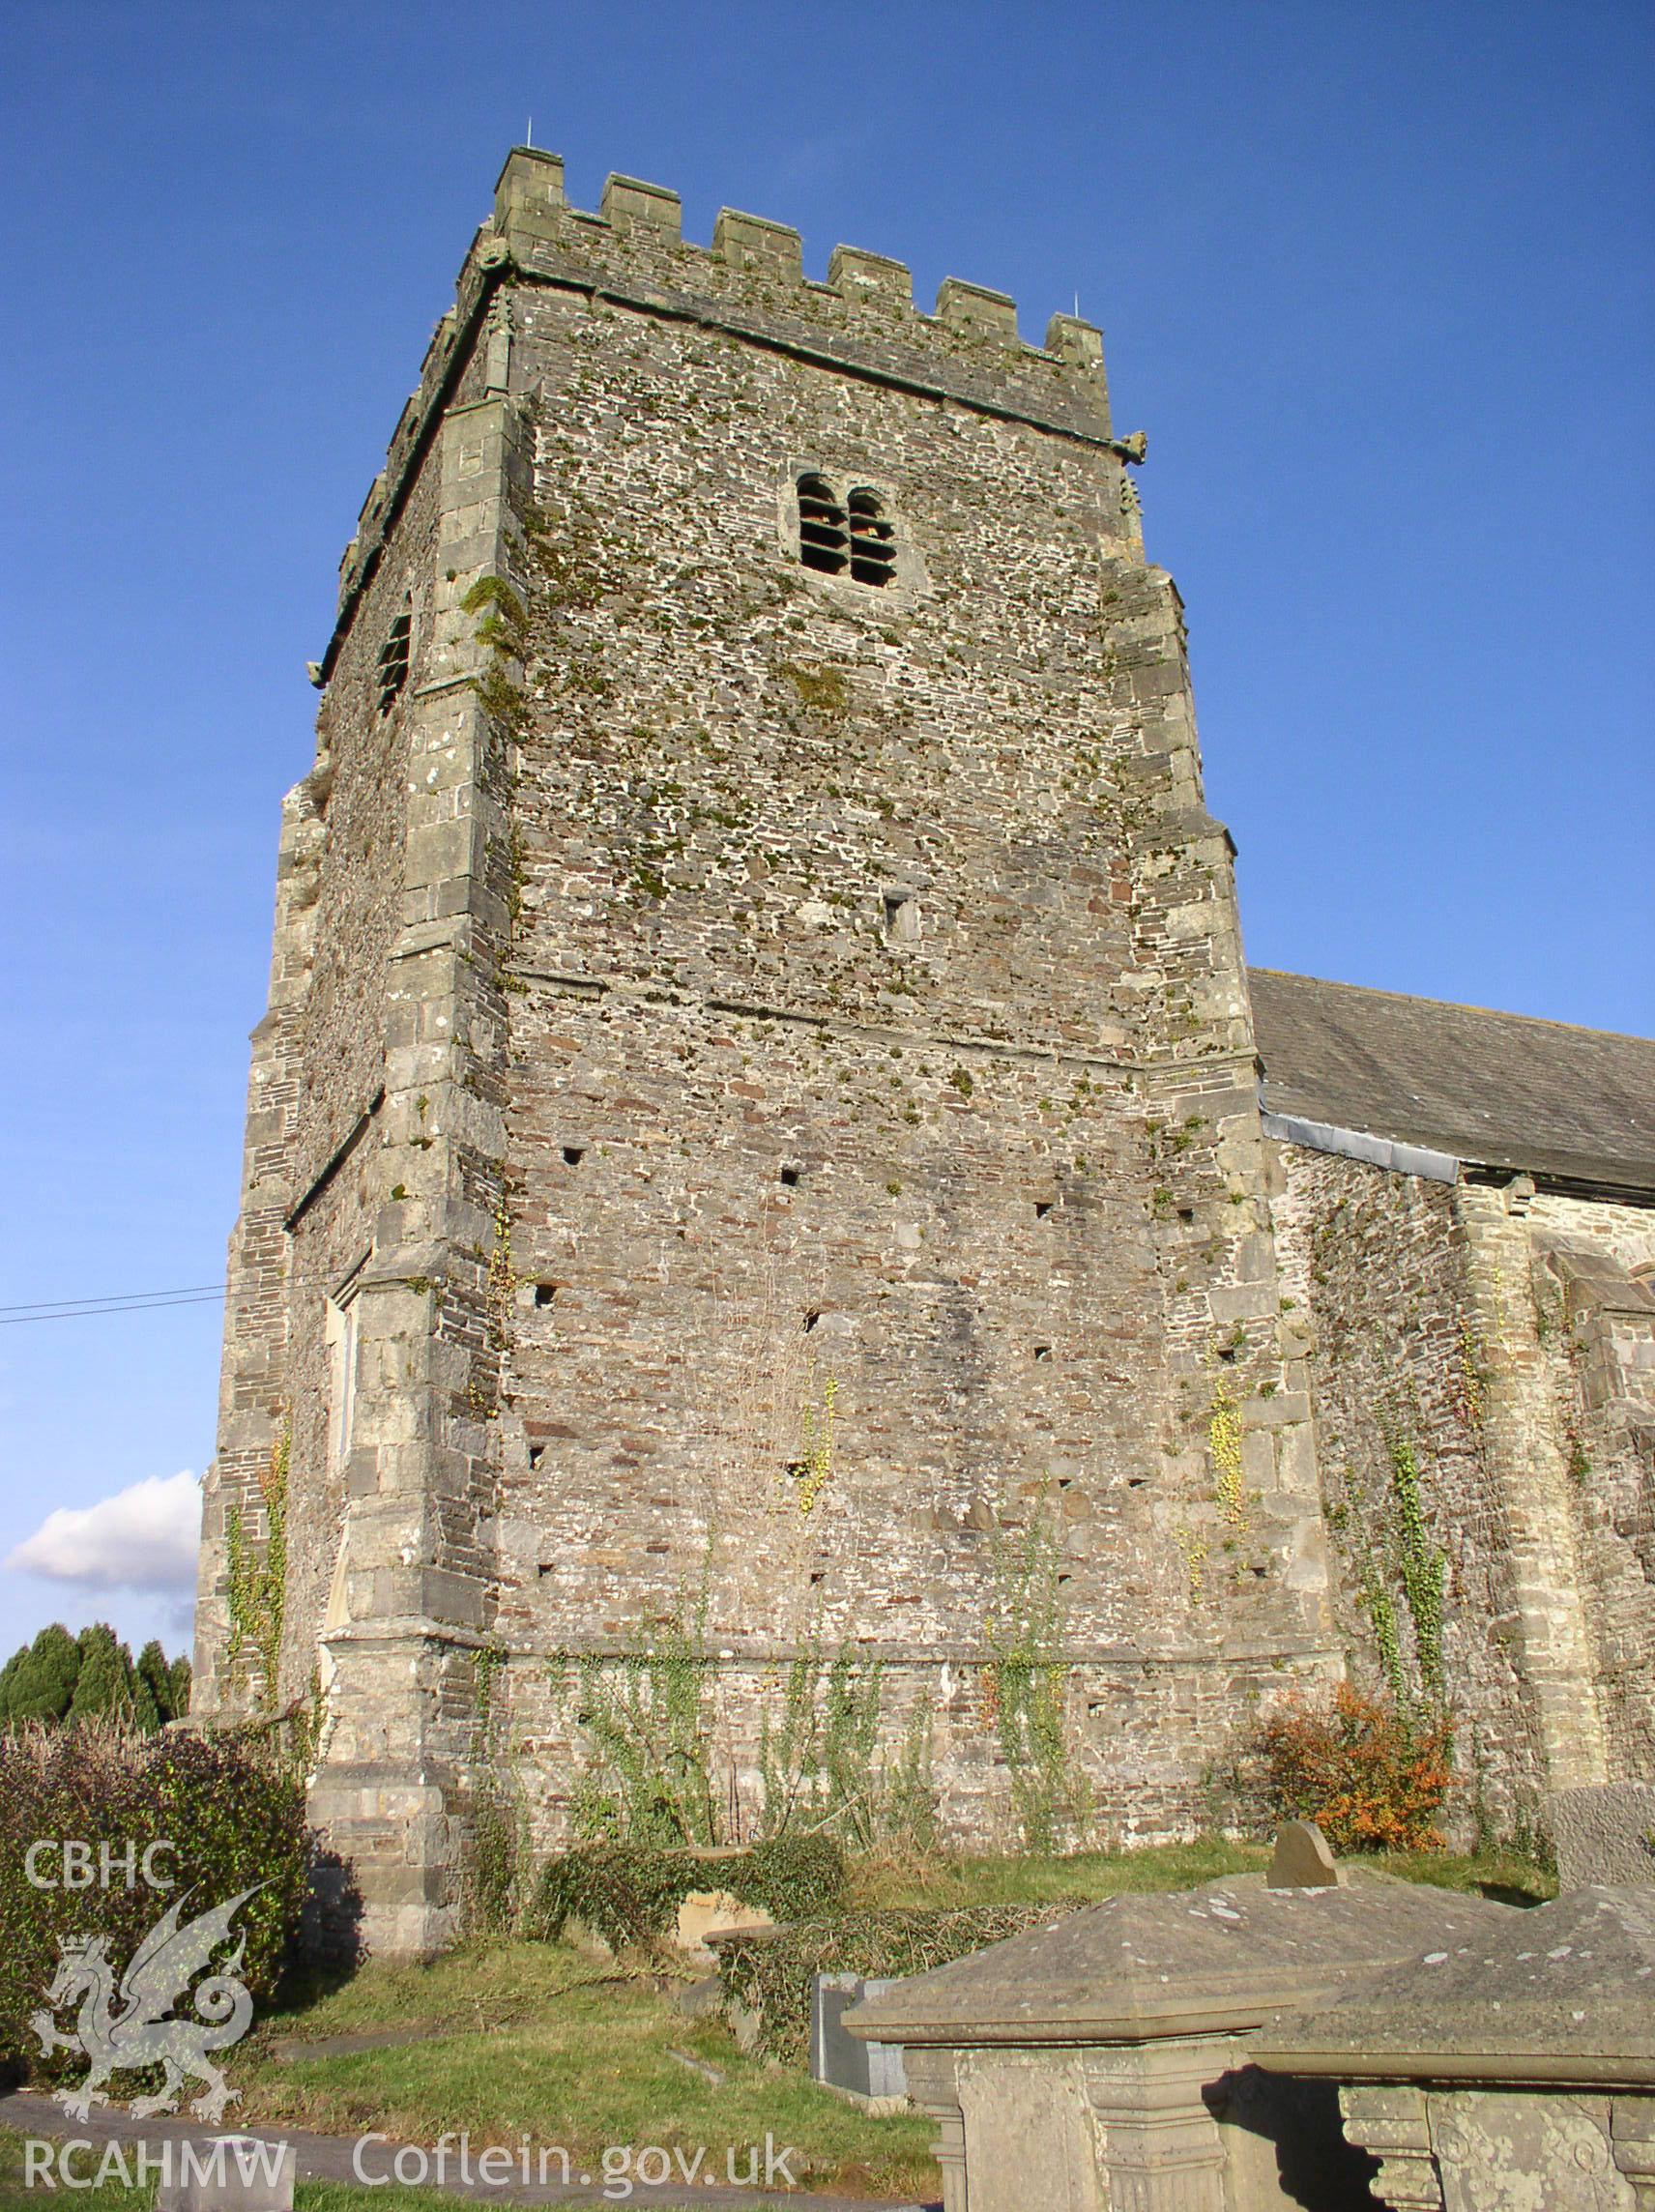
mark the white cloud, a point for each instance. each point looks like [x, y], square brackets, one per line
[143, 1538]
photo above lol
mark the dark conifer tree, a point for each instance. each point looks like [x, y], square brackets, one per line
[104, 1683]
[44, 1685]
[154, 1686]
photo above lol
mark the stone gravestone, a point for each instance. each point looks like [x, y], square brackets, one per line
[1104, 2060]
[1605, 1834]
[706, 1912]
[870, 2071]
[1509, 2071]
[1302, 1859]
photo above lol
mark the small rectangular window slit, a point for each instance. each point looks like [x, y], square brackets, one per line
[544, 1293]
[902, 917]
[573, 1155]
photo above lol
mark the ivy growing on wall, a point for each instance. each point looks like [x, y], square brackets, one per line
[258, 1579]
[502, 633]
[1224, 1442]
[495, 1862]
[820, 1766]
[646, 1719]
[813, 1469]
[1401, 1572]
[1027, 1679]
[1424, 1567]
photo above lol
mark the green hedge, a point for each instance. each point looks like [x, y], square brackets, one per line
[631, 1893]
[770, 1975]
[231, 1820]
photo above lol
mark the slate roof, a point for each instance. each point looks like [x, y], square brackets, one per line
[1570, 1105]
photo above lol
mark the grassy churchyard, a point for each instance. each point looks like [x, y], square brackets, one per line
[570, 2046]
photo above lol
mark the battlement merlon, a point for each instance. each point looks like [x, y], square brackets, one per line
[750, 285]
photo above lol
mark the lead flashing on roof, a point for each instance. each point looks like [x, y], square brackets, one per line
[1356, 1145]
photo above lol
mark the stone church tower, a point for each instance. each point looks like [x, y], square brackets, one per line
[756, 1125]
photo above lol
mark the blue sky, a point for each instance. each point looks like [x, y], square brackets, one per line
[1375, 278]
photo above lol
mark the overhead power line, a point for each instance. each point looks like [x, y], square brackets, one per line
[113, 1302]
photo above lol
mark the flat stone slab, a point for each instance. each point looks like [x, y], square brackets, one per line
[1603, 1834]
[1564, 1993]
[1198, 1962]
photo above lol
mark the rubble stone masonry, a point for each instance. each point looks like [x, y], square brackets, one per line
[757, 1110]
[1479, 1356]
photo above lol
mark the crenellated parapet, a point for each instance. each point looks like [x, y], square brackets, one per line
[756, 263]
[750, 285]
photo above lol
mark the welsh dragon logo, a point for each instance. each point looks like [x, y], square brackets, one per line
[121, 2029]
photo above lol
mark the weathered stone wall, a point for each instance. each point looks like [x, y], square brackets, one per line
[1594, 1297]
[253, 1393]
[979, 1180]
[756, 1121]
[1377, 1262]
[1476, 1391]
[364, 1202]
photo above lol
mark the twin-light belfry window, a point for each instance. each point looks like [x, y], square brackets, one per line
[394, 660]
[850, 536]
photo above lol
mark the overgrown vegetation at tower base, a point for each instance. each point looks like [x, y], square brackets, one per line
[580, 2047]
[628, 1896]
[836, 1753]
[597, 2054]
[228, 1818]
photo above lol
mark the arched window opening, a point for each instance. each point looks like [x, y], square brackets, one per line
[873, 540]
[823, 539]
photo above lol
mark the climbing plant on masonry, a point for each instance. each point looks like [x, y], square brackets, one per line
[259, 1576]
[820, 1766]
[643, 1713]
[1382, 1619]
[1224, 1442]
[495, 1861]
[501, 1277]
[1027, 1677]
[502, 633]
[813, 1469]
[1424, 1567]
